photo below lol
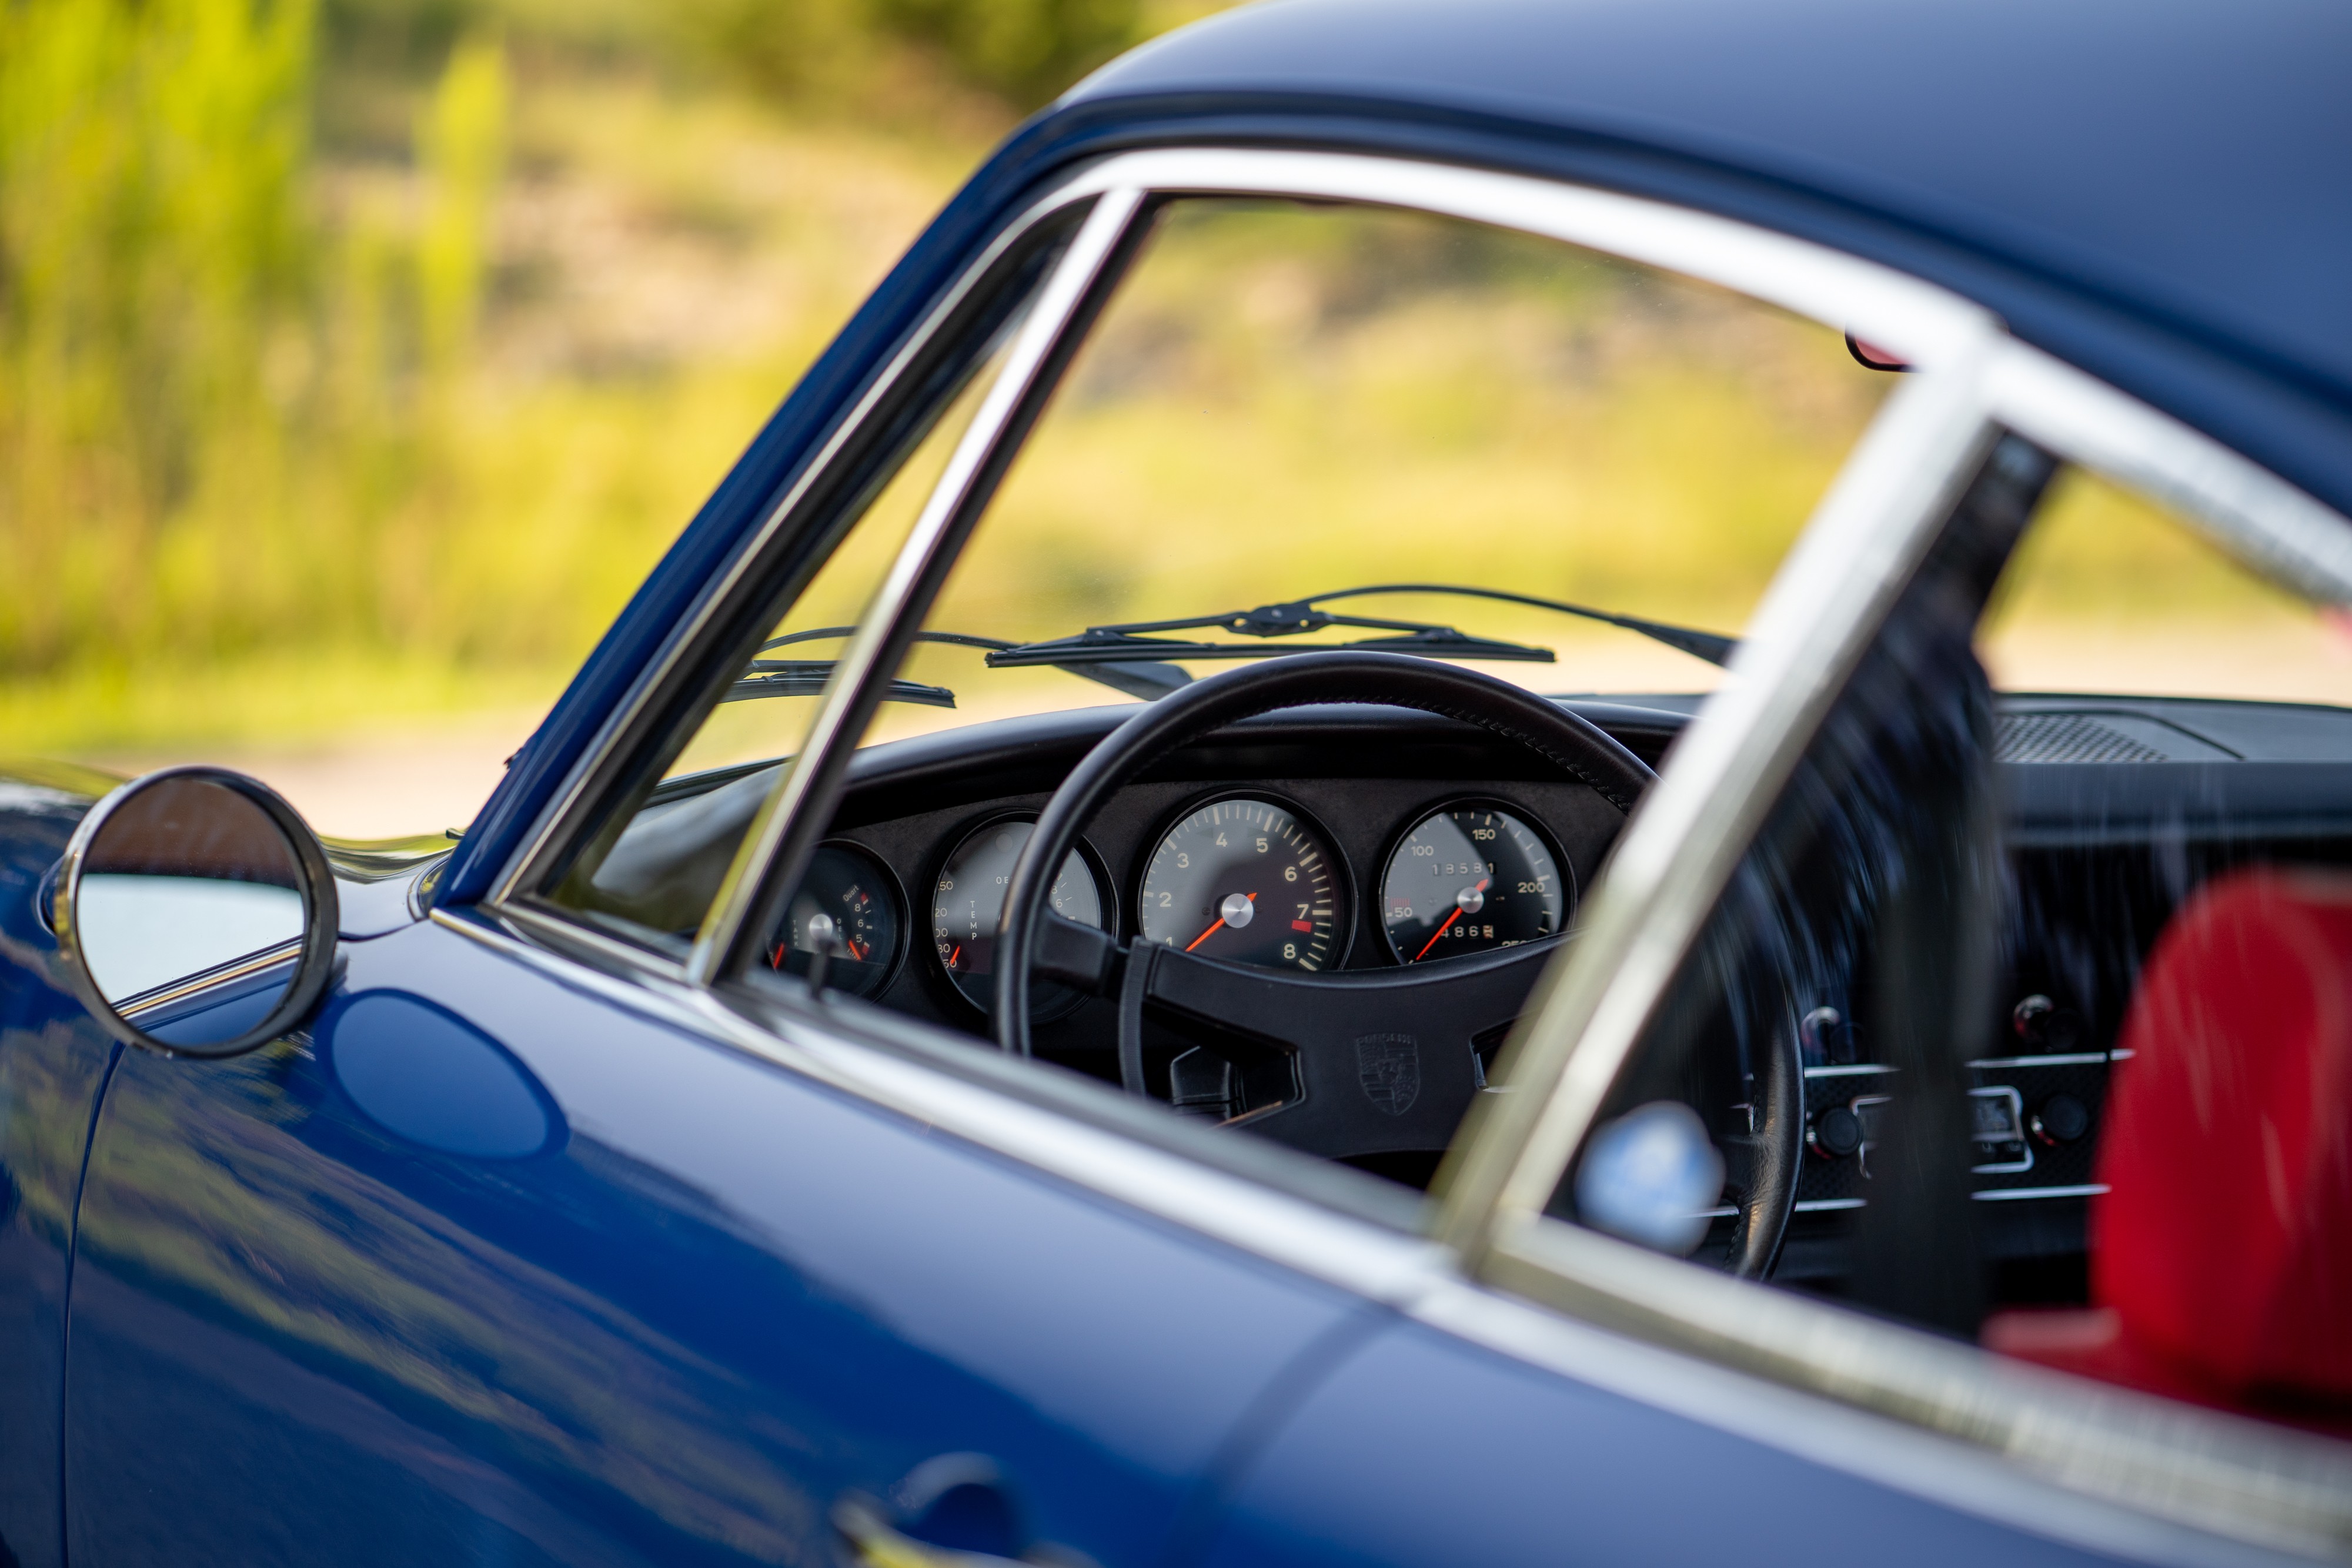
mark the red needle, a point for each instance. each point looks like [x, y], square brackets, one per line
[952, 957]
[1434, 935]
[1212, 931]
[1450, 919]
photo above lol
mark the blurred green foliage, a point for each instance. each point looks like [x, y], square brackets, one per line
[152, 250]
[255, 422]
[1021, 50]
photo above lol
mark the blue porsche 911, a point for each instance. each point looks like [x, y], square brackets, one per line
[1012, 1013]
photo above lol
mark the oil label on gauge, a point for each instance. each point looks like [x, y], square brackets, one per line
[968, 899]
[1470, 879]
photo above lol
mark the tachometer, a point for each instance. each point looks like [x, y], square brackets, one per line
[1246, 879]
[848, 903]
[1469, 879]
[969, 898]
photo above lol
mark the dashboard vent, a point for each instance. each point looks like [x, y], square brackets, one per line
[2066, 738]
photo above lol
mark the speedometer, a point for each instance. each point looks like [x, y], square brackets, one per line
[1469, 879]
[1248, 881]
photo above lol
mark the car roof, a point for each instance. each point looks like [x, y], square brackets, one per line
[2181, 171]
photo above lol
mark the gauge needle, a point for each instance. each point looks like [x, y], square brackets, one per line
[1216, 925]
[1434, 935]
[1441, 931]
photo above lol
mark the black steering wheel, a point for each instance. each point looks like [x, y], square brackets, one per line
[1384, 1060]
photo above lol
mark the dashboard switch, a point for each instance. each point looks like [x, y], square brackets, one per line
[2060, 1120]
[1835, 1133]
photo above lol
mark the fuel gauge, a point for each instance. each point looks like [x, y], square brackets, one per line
[849, 904]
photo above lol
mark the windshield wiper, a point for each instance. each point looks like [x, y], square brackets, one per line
[806, 677]
[1128, 657]
[1128, 640]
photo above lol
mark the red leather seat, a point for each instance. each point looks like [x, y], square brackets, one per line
[2222, 1254]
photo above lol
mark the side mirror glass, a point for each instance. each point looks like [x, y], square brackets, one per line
[197, 912]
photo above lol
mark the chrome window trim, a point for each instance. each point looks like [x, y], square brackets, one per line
[1679, 849]
[1049, 317]
[822, 1044]
[2234, 1477]
[2245, 509]
[1924, 324]
[2223, 1475]
[243, 966]
[553, 828]
[1899, 1455]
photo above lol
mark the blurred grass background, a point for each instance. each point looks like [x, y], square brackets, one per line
[358, 356]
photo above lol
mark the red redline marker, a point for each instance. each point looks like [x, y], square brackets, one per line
[1302, 926]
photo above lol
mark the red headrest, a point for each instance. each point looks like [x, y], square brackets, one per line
[2225, 1246]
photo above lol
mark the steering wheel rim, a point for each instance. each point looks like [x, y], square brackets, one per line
[1574, 745]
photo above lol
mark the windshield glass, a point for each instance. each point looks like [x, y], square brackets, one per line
[1283, 400]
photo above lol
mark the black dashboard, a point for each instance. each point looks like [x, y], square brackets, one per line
[1346, 802]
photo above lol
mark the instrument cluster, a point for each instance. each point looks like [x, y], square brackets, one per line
[1245, 876]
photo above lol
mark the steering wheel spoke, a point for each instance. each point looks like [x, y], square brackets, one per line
[1380, 1059]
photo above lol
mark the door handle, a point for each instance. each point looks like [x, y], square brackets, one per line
[874, 1543]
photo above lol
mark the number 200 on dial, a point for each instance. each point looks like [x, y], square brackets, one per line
[1247, 882]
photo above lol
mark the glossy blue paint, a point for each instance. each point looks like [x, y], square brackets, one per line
[423, 1074]
[1420, 1450]
[2149, 195]
[53, 1060]
[678, 1334]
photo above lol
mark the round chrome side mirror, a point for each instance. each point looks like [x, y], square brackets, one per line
[197, 912]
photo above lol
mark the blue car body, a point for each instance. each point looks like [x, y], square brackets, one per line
[571, 1276]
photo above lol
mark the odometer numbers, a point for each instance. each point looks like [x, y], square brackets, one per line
[1247, 881]
[1470, 879]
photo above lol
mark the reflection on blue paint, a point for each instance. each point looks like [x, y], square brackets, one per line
[220, 1013]
[423, 1075]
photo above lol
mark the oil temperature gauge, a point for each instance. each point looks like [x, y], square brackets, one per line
[968, 899]
[1469, 879]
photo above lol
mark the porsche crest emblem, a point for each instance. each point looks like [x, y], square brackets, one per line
[1388, 1067]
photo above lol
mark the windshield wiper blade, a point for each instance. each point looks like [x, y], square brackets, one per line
[806, 677]
[1105, 645]
[1136, 640]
